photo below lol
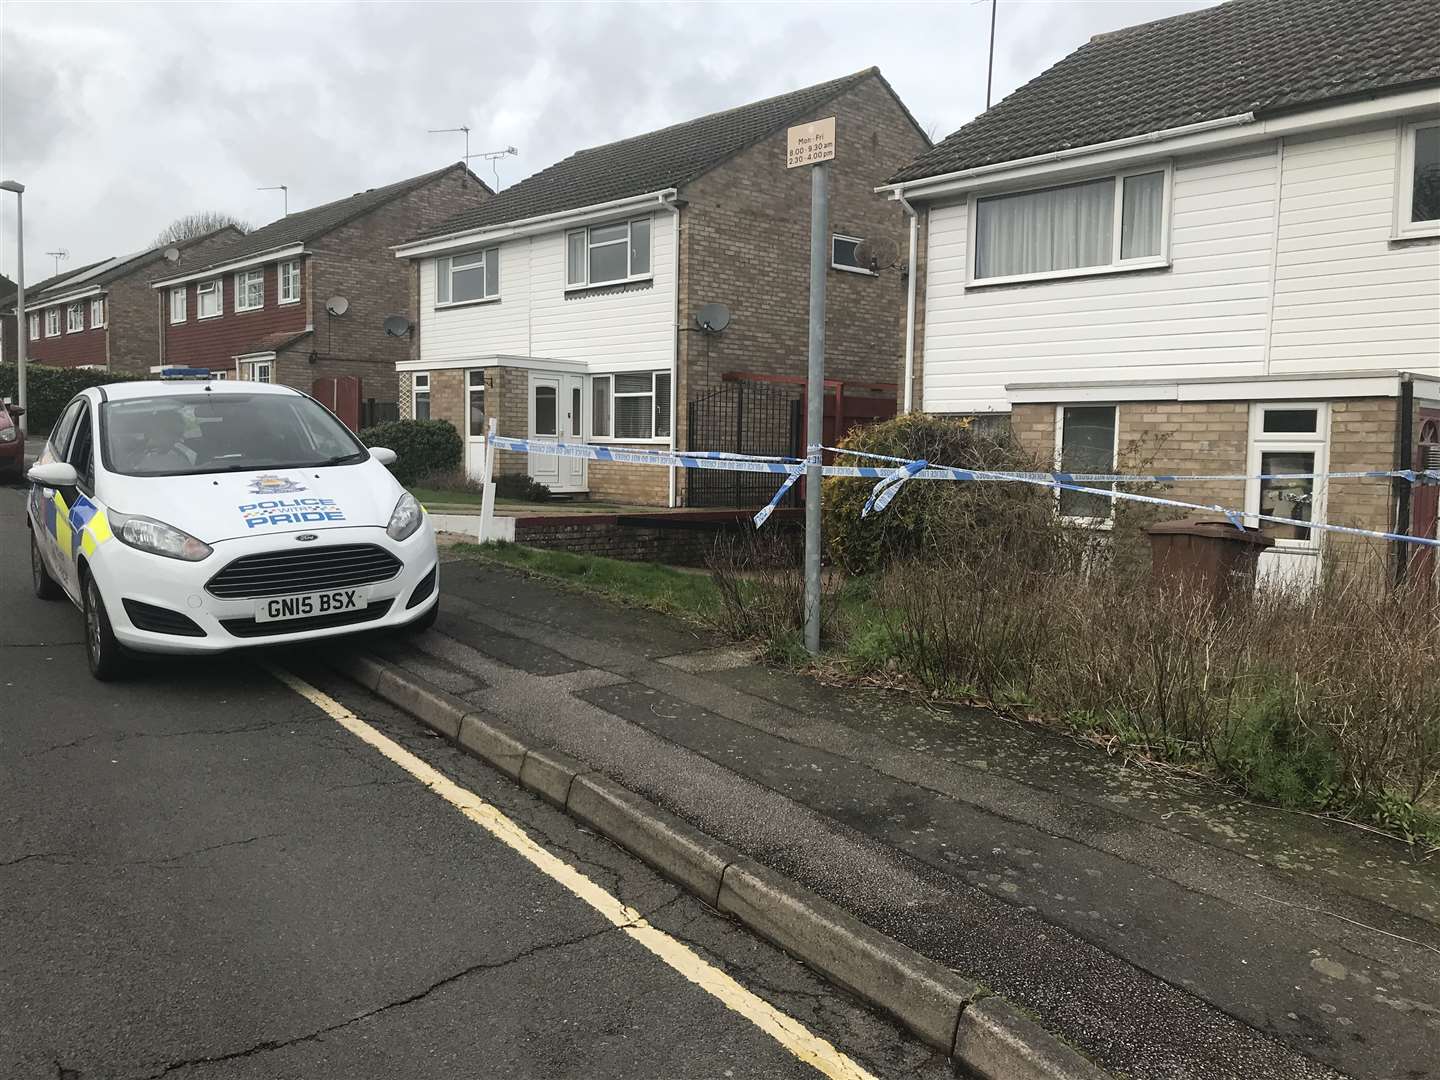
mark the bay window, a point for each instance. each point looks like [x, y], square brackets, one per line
[1113, 222]
[209, 300]
[630, 406]
[250, 290]
[463, 279]
[1086, 443]
[1417, 211]
[605, 254]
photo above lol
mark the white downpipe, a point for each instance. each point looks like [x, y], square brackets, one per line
[668, 204]
[910, 300]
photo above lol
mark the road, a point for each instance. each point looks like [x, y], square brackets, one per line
[205, 873]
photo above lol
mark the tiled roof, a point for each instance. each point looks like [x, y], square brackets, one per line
[306, 225]
[1261, 56]
[652, 162]
[108, 270]
[273, 342]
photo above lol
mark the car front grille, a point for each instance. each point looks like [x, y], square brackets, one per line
[279, 573]
[248, 628]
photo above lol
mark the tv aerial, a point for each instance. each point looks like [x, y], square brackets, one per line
[877, 255]
[492, 156]
[712, 318]
[57, 255]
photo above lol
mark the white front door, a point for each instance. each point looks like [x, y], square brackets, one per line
[557, 413]
[475, 423]
[1289, 438]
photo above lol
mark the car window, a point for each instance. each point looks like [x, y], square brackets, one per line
[60, 433]
[82, 451]
[222, 432]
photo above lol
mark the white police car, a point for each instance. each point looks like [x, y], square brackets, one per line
[194, 517]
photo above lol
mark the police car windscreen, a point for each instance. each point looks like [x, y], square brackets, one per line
[206, 433]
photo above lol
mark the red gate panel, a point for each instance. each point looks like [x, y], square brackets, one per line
[341, 395]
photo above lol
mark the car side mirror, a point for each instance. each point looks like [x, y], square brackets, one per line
[383, 454]
[55, 474]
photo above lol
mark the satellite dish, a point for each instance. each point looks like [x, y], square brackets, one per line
[397, 325]
[878, 255]
[337, 305]
[712, 318]
[172, 254]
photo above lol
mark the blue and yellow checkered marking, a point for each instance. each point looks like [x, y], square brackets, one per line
[76, 529]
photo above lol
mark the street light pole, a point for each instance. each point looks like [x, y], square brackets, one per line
[22, 324]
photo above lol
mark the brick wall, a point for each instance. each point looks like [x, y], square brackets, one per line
[746, 243]
[88, 346]
[917, 393]
[1363, 436]
[597, 534]
[216, 341]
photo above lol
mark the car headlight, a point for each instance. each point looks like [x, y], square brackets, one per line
[405, 518]
[156, 537]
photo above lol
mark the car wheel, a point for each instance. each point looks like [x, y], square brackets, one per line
[426, 621]
[46, 587]
[107, 658]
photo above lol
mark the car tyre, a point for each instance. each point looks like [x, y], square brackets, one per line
[46, 587]
[426, 621]
[107, 657]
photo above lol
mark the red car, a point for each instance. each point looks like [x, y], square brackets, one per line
[12, 447]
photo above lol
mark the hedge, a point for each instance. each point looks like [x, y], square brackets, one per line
[48, 389]
[422, 447]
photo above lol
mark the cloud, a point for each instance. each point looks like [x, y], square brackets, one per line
[121, 117]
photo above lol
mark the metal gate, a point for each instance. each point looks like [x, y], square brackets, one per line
[744, 417]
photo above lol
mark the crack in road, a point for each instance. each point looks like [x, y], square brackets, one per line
[270, 1045]
[49, 855]
[125, 736]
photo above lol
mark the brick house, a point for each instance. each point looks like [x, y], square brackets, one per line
[1236, 275]
[102, 315]
[268, 309]
[566, 306]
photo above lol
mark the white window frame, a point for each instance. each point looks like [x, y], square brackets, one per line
[244, 280]
[259, 370]
[474, 380]
[179, 293]
[75, 313]
[34, 326]
[1107, 522]
[1404, 228]
[283, 274]
[1117, 265]
[834, 265]
[203, 289]
[1260, 442]
[52, 322]
[445, 277]
[97, 313]
[419, 384]
[575, 286]
[614, 376]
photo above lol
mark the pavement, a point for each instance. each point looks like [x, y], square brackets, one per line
[1162, 926]
[202, 874]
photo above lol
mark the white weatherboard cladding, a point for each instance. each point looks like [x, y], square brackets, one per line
[1346, 296]
[1205, 316]
[617, 328]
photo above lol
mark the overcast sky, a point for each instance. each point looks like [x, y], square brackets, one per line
[119, 117]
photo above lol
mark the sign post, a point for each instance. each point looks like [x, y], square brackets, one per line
[813, 144]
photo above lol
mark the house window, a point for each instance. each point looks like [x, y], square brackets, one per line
[52, 322]
[1286, 439]
[290, 281]
[475, 392]
[420, 395]
[97, 313]
[1418, 208]
[257, 370]
[250, 290]
[842, 255]
[34, 327]
[74, 318]
[1086, 443]
[1115, 222]
[605, 254]
[463, 279]
[209, 300]
[177, 305]
[635, 406]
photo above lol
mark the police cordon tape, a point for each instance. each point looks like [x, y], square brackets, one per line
[892, 479]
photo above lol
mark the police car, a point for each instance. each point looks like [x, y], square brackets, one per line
[199, 516]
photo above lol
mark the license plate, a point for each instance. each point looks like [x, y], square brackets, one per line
[308, 605]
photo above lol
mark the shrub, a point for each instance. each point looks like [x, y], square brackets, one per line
[422, 447]
[521, 486]
[925, 517]
[48, 389]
